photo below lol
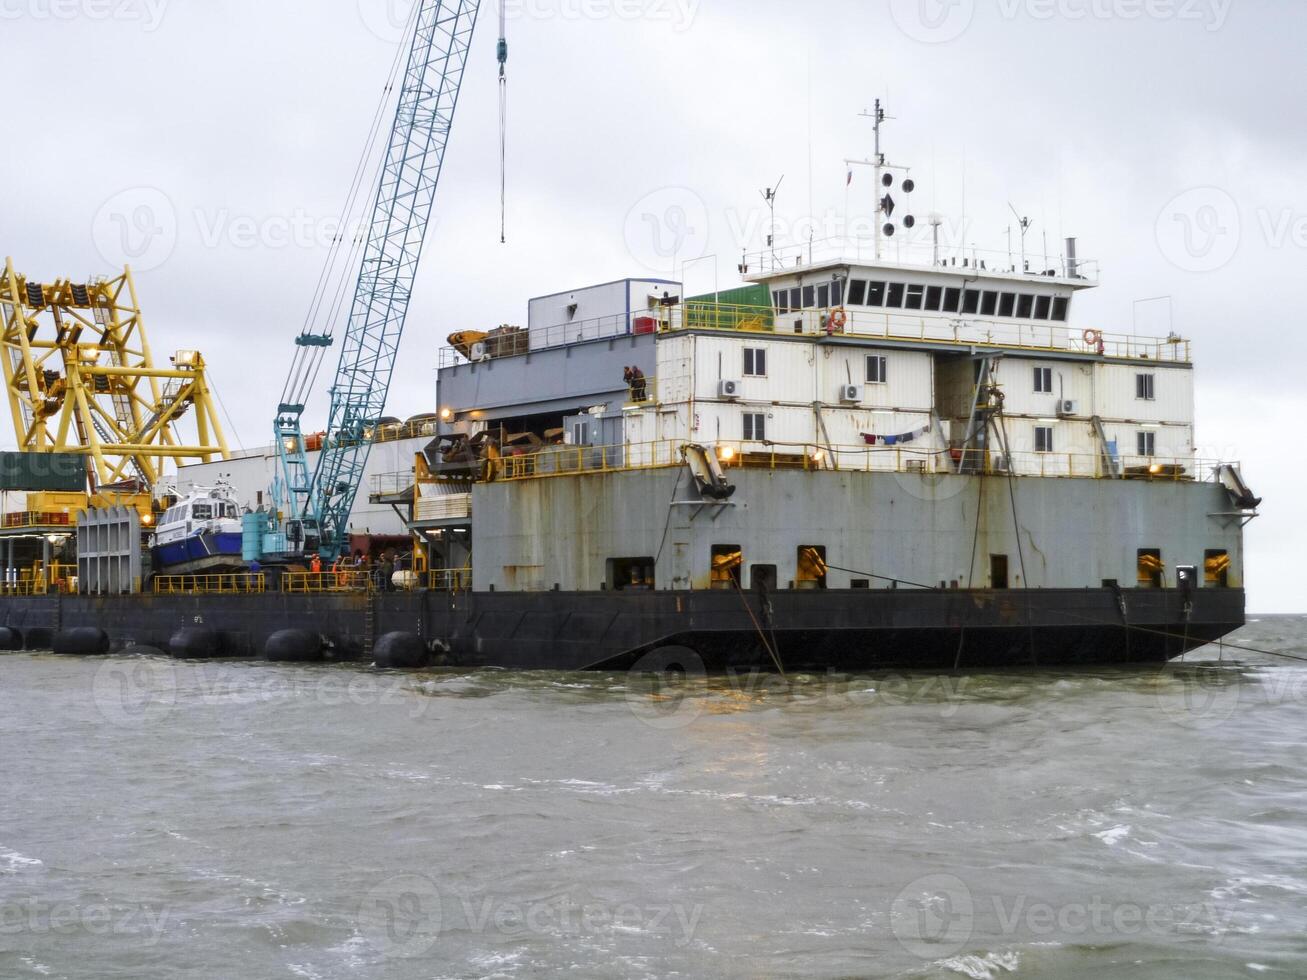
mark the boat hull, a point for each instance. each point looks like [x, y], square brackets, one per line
[853, 630]
[199, 547]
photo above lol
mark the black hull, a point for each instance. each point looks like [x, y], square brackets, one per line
[720, 630]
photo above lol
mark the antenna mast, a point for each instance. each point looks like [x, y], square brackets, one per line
[769, 195]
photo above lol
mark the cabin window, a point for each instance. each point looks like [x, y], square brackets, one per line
[934, 294]
[779, 298]
[755, 362]
[755, 427]
[1216, 568]
[970, 300]
[580, 433]
[726, 562]
[809, 297]
[1007, 304]
[1025, 306]
[823, 296]
[1150, 568]
[988, 303]
[1147, 443]
[952, 299]
[857, 292]
[796, 299]
[1059, 308]
[1145, 387]
[810, 572]
[1043, 438]
[895, 298]
[1042, 305]
[1043, 381]
[201, 512]
[916, 296]
[875, 293]
[877, 369]
[998, 571]
[631, 573]
[837, 293]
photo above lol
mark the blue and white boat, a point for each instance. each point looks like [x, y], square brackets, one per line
[201, 529]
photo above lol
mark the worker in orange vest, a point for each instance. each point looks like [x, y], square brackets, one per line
[315, 566]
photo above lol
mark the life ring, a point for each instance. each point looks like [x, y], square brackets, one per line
[1093, 337]
[839, 319]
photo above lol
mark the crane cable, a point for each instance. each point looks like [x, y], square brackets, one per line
[502, 51]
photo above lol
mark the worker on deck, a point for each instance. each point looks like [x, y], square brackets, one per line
[635, 381]
[315, 566]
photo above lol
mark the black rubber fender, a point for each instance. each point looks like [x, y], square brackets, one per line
[81, 641]
[401, 651]
[10, 638]
[193, 644]
[39, 638]
[294, 646]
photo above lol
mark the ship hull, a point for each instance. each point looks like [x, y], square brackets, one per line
[855, 630]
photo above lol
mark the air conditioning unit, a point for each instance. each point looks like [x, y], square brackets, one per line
[851, 394]
[1067, 408]
[728, 389]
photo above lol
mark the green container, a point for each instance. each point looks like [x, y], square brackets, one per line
[43, 472]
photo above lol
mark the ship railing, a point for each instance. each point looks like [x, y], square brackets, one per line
[229, 583]
[57, 578]
[921, 252]
[452, 580]
[339, 580]
[939, 329]
[557, 461]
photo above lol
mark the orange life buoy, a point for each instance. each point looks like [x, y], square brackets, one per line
[1092, 337]
[839, 319]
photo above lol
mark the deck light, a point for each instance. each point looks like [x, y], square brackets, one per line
[726, 454]
[446, 414]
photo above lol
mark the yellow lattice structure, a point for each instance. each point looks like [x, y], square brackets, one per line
[80, 378]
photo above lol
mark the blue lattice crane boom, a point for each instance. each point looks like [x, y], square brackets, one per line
[317, 504]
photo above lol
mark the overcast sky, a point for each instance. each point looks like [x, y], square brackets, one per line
[212, 144]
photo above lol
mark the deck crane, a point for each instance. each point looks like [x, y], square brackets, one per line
[315, 506]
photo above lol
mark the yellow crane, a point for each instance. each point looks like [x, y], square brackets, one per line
[81, 379]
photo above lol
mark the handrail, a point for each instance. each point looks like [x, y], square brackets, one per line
[942, 329]
[230, 583]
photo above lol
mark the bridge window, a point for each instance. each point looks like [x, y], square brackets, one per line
[1042, 305]
[970, 301]
[823, 296]
[201, 512]
[988, 303]
[916, 295]
[1007, 304]
[1059, 308]
[755, 362]
[796, 299]
[809, 297]
[1150, 568]
[895, 298]
[811, 570]
[934, 295]
[1025, 306]
[1043, 381]
[875, 293]
[1043, 438]
[727, 560]
[837, 293]
[755, 427]
[1216, 568]
[952, 299]
[857, 291]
